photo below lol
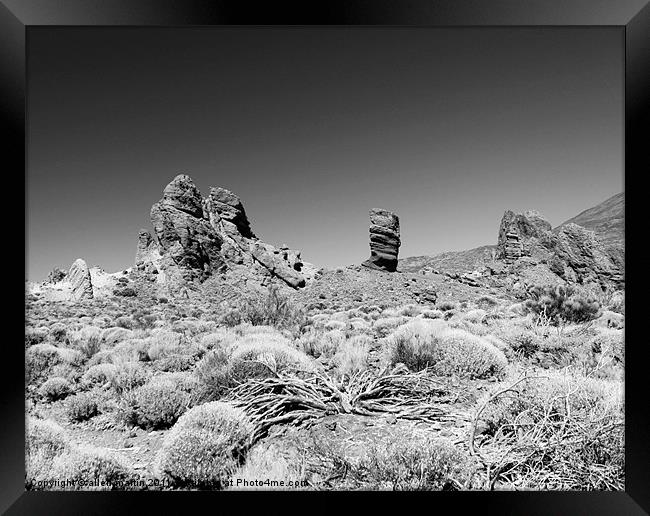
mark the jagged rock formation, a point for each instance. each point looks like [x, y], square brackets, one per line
[384, 240]
[79, 277]
[515, 233]
[195, 238]
[56, 275]
[574, 253]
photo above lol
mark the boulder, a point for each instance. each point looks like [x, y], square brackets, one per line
[79, 277]
[384, 240]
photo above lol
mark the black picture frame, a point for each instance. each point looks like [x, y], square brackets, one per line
[632, 17]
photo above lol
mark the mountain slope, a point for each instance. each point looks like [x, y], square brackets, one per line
[606, 219]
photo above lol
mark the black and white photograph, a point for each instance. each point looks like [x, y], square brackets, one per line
[321, 258]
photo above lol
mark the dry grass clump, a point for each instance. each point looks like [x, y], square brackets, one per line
[317, 343]
[55, 388]
[352, 355]
[162, 344]
[419, 463]
[160, 402]
[35, 336]
[81, 407]
[92, 469]
[205, 447]
[39, 359]
[265, 462]
[382, 327]
[99, 374]
[87, 340]
[556, 431]
[115, 335]
[423, 344]
[44, 441]
[274, 353]
[270, 309]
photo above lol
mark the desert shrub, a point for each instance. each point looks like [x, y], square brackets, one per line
[335, 325]
[174, 363]
[423, 344]
[523, 341]
[616, 302]
[158, 403]
[81, 407]
[113, 335]
[206, 446]
[486, 302]
[562, 431]
[58, 332]
[432, 314]
[266, 462]
[107, 472]
[99, 374]
[213, 374]
[71, 356]
[561, 304]
[35, 336]
[446, 306]
[317, 343]
[87, 340]
[218, 339]
[44, 441]
[418, 463]
[55, 389]
[131, 349]
[129, 375]
[275, 354]
[125, 292]
[474, 316]
[385, 325]
[125, 322]
[272, 309]
[352, 355]
[162, 344]
[611, 319]
[39, 359]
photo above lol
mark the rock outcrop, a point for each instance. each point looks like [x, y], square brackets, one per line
[384, 240]
[196, 237]
[572, 252]
[79, 277]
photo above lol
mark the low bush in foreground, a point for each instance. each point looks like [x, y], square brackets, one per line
[44, 441]
[561, 304]
[81, 407]
[92, 469]
[562, 432]
[160, 402]
[424, 343]
[205, 447]
[55, 389]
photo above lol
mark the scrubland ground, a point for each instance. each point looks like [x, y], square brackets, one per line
[363, 380]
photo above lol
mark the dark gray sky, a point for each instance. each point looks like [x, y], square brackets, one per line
[314, 126]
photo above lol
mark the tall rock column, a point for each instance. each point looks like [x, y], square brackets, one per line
[79, 277]
[384, 240]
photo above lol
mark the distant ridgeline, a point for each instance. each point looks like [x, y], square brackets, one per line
[530, 250]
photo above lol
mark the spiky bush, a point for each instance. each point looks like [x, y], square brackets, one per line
[55, 389]
[44, 441]
[352, 356]
[272, 309]
[81, 407]
[424, 343]
[87, 340]
[160, 402]
[561, 304]
[205, 446]
[99, 374]
[39, 359]
[562, 431]
[92, 469]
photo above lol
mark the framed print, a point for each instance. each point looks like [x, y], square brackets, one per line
[336, 250]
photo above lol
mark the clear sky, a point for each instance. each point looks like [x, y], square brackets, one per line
[312, 127]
